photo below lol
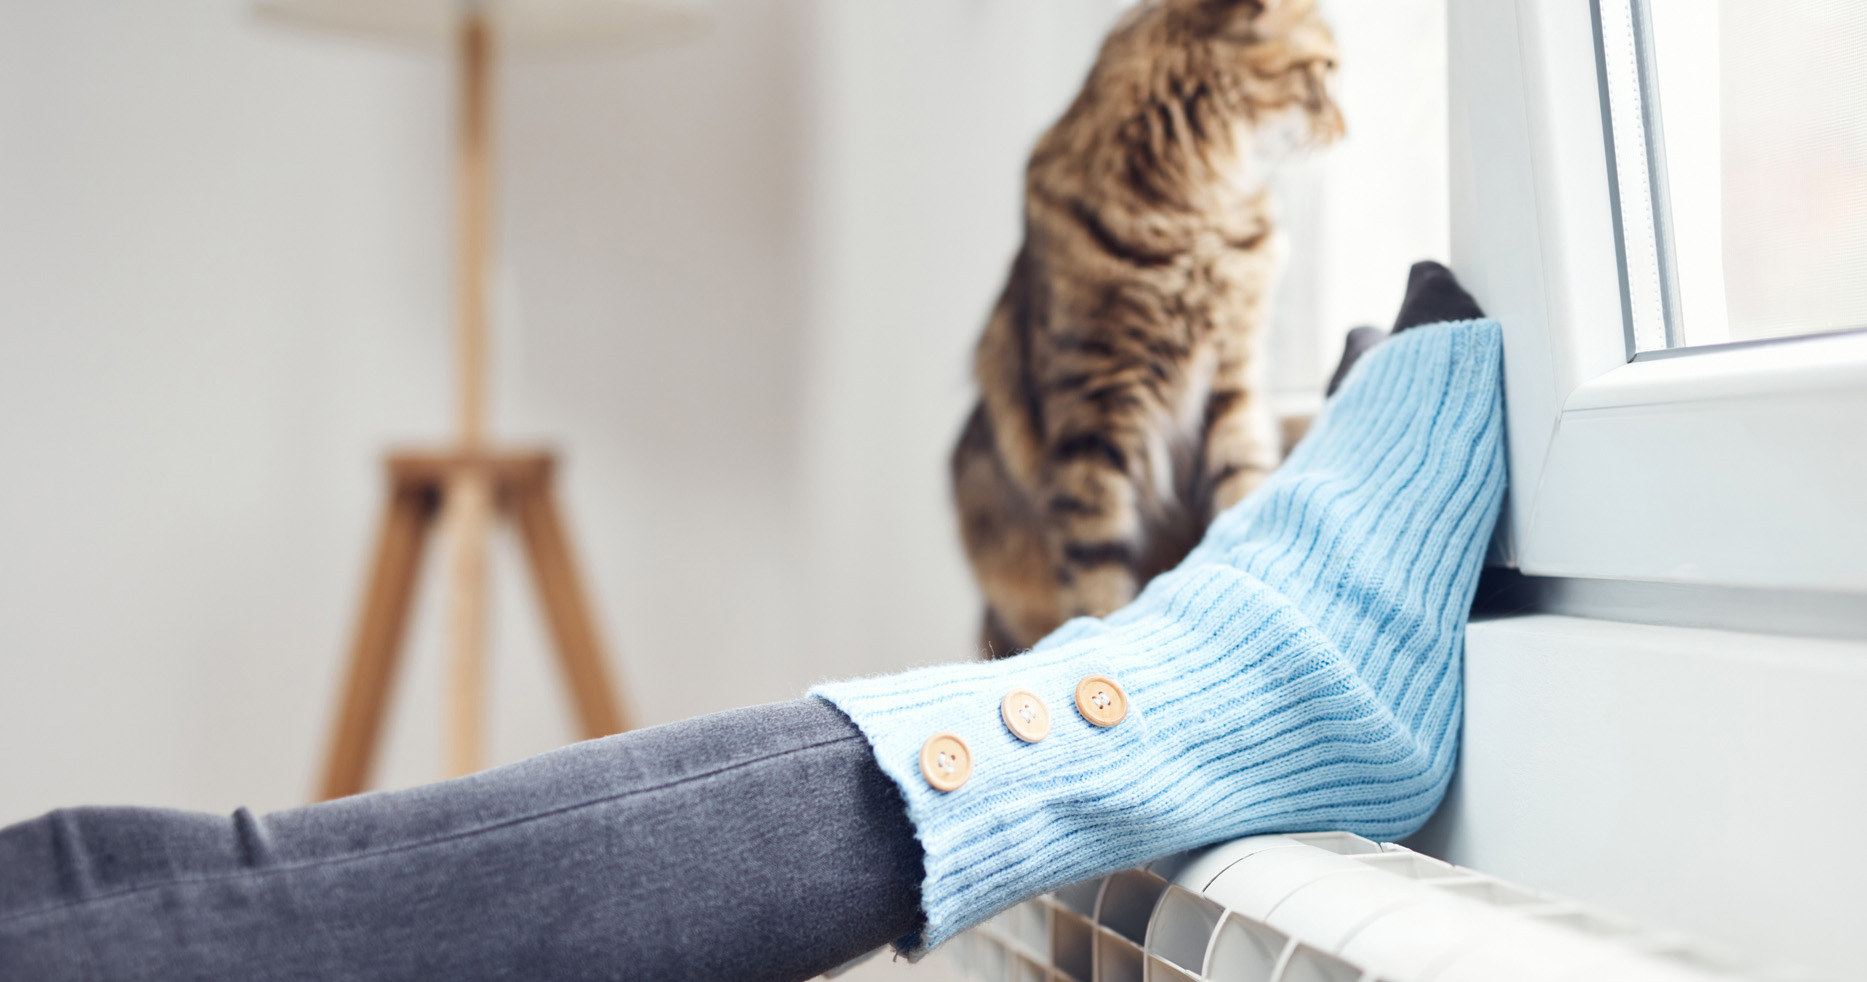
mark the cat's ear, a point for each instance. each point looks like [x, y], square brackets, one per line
[1256, 20]
[1237, 8]
[1277, 19]
[1292, 27]
[1225, 18]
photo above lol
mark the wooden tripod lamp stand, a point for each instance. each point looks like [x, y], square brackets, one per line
[471, 484]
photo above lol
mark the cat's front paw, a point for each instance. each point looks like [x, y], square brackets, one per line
[1097, 591]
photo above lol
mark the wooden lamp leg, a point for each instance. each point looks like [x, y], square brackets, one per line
[378, 638]
[469, 516]
[469, 486]
[560, 592]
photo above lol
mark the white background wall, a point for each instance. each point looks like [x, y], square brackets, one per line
[741, 279]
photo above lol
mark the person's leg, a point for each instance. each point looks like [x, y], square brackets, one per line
[1298, 671]
[762, 843]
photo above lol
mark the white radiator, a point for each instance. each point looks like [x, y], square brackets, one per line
[1322, 907]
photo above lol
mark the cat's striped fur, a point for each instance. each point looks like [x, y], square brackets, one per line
[1120, 403]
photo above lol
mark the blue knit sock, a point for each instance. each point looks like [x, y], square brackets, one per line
[1298, 671]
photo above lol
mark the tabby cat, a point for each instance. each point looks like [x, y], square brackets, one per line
[1121, 406]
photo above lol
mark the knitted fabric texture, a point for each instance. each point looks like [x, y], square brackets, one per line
[1300, 670]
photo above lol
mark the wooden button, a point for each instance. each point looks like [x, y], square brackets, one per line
[1101, 701]
[946, 761]
[1026, 716]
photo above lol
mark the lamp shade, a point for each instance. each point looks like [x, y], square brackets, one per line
[537, 26]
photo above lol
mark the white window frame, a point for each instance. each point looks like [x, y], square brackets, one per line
[1739, 465]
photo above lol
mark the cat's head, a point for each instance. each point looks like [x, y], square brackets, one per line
[1276, 59]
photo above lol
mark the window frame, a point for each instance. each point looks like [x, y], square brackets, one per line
[1736, 465]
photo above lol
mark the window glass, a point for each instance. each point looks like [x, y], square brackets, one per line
[1749, 118]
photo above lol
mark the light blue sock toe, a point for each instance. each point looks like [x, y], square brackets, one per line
[1298, 671]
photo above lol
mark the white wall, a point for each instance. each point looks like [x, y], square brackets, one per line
[740, 282]
[654, 234]
[923, 115]
[224, 290]
[219, 282]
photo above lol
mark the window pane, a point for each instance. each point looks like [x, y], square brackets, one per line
[1759, 112]
[1794, 100]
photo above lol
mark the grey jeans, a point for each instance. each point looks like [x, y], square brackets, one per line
[761, 843]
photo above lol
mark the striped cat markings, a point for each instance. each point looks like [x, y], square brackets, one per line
[1120, 373]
